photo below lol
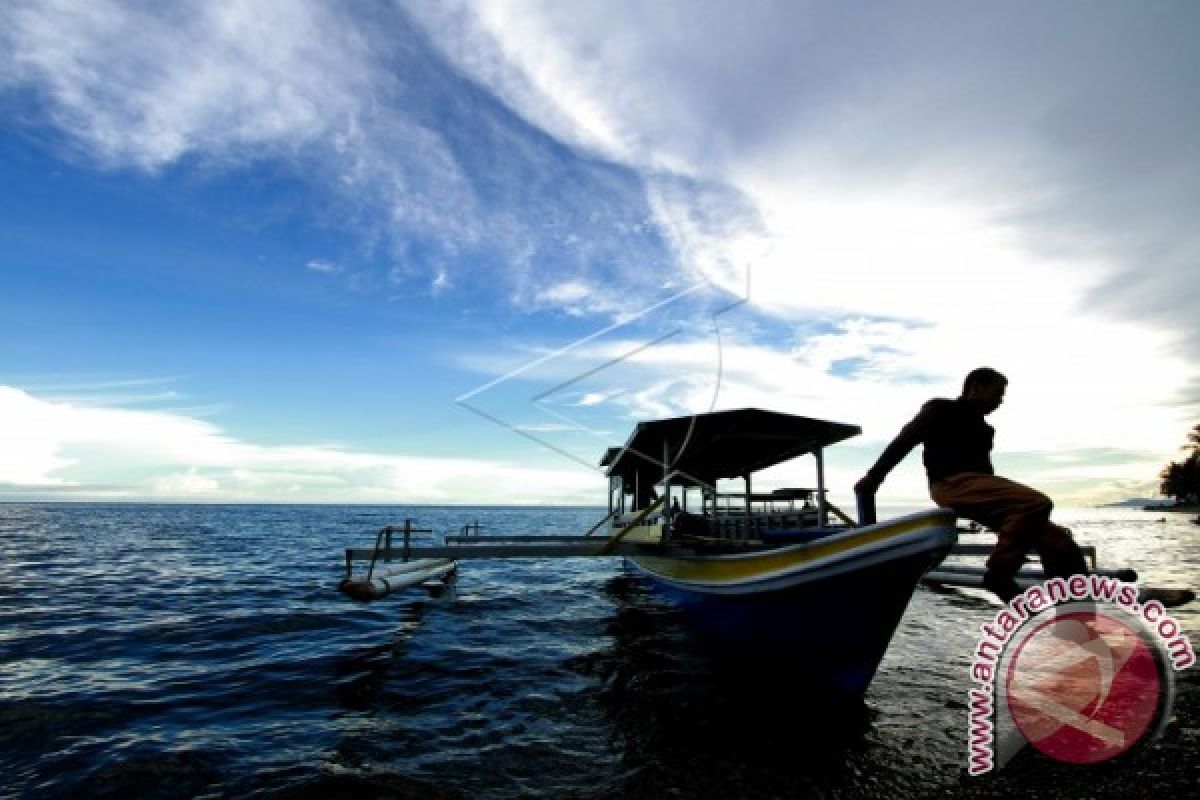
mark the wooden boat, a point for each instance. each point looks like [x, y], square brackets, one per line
[781, 578]
[769, 573]
[765, 575]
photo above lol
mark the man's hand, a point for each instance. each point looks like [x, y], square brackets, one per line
[868, 484]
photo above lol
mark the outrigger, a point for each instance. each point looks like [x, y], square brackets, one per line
[783, 574]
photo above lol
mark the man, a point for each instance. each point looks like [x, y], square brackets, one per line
[958, 444]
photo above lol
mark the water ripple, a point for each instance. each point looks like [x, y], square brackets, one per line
[166, 651]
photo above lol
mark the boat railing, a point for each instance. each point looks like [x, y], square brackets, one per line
[391, 568]
[384, 549]
[735, 502]
[750, 526]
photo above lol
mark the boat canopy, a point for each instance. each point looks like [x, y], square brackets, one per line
[702, 448]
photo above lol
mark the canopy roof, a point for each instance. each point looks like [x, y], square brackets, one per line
[723, 444]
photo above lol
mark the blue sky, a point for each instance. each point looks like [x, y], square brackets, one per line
[273, 251]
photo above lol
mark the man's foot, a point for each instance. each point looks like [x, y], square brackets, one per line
[1003, 586]
[1170, 598]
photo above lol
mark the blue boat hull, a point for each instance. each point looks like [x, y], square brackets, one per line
[831, 633]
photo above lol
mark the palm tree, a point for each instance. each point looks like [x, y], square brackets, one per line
[1193, 441]
[1181, 480]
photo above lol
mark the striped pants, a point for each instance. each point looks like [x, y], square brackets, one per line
[1020, 516]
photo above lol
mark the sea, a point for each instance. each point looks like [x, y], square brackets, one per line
[204, 651]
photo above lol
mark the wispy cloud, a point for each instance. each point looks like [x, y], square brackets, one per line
[886, 186]
[73, 384]
[546, 427]
[419, 156]
[323, 267]
[145, 85]
[52, 489]
[103, 392]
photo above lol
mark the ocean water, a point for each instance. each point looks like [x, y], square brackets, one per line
[203, 651]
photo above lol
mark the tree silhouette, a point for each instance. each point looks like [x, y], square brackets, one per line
[1193, 441]
[1180, 480]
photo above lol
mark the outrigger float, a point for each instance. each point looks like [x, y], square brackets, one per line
[783, 574]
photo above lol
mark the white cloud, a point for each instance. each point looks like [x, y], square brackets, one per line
[513, 50]
[184, 484]
[872, 373]
[52, 446]
[144, 87]
[1073, 406]
[1013, 186]
[575, 298]
[546, 427]
[322, 266]
[888, 185]
[594, 398]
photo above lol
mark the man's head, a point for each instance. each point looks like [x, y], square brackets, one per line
[984, 388]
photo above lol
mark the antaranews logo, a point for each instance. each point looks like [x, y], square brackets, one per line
[1076, 667]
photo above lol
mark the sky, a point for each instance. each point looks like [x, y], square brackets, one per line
[448, 252]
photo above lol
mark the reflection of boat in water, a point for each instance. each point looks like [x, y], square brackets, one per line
[770, 573]
[675, 701]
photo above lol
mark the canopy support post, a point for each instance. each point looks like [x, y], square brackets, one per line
[822, 509]
[666, 498]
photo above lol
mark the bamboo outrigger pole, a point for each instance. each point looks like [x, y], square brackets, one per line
[613, 541]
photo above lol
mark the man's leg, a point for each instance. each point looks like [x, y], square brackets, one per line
[1019, 515]
[1061, 556]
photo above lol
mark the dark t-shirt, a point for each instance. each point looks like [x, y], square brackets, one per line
[956, 439]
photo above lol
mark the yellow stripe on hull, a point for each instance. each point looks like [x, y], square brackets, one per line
[739, 567]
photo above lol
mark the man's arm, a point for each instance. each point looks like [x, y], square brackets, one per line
[909, 437]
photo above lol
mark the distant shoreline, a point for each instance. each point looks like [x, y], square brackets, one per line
[1185, 508]
[292, 504]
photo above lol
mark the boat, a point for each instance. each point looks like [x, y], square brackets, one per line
[781, 579]
[781, 574]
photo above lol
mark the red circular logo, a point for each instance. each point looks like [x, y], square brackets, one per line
[1083, 687]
